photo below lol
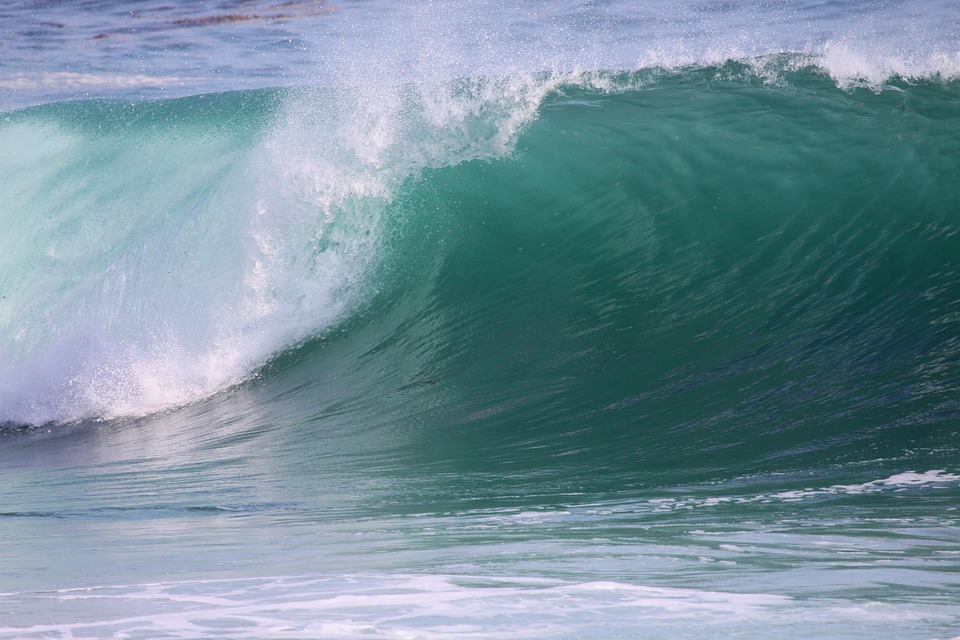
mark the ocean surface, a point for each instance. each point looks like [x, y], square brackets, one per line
[480, 319]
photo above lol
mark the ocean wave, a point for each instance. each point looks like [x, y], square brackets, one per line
[161, 252]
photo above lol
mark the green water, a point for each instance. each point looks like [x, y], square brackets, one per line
[666, 351]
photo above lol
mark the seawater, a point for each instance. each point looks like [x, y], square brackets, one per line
[581, 320]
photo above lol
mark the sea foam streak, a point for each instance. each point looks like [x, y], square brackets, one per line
[441, 606]
[409, 606]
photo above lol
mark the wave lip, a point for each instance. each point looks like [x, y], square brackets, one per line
[853, 66]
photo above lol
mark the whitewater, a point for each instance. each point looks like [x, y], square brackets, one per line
[480, 319]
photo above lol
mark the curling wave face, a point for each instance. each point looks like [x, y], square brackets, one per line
[188, 242]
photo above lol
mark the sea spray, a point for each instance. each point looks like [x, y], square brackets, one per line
[227, 243]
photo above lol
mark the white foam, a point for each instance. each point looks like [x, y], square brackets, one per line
[935, 478]
[395, 606]
[855, 64]
[430, 606]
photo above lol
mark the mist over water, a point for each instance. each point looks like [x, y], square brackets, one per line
[479, 320]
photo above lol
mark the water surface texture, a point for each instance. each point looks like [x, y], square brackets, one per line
[480, 319]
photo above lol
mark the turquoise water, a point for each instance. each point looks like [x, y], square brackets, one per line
[551, 352]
